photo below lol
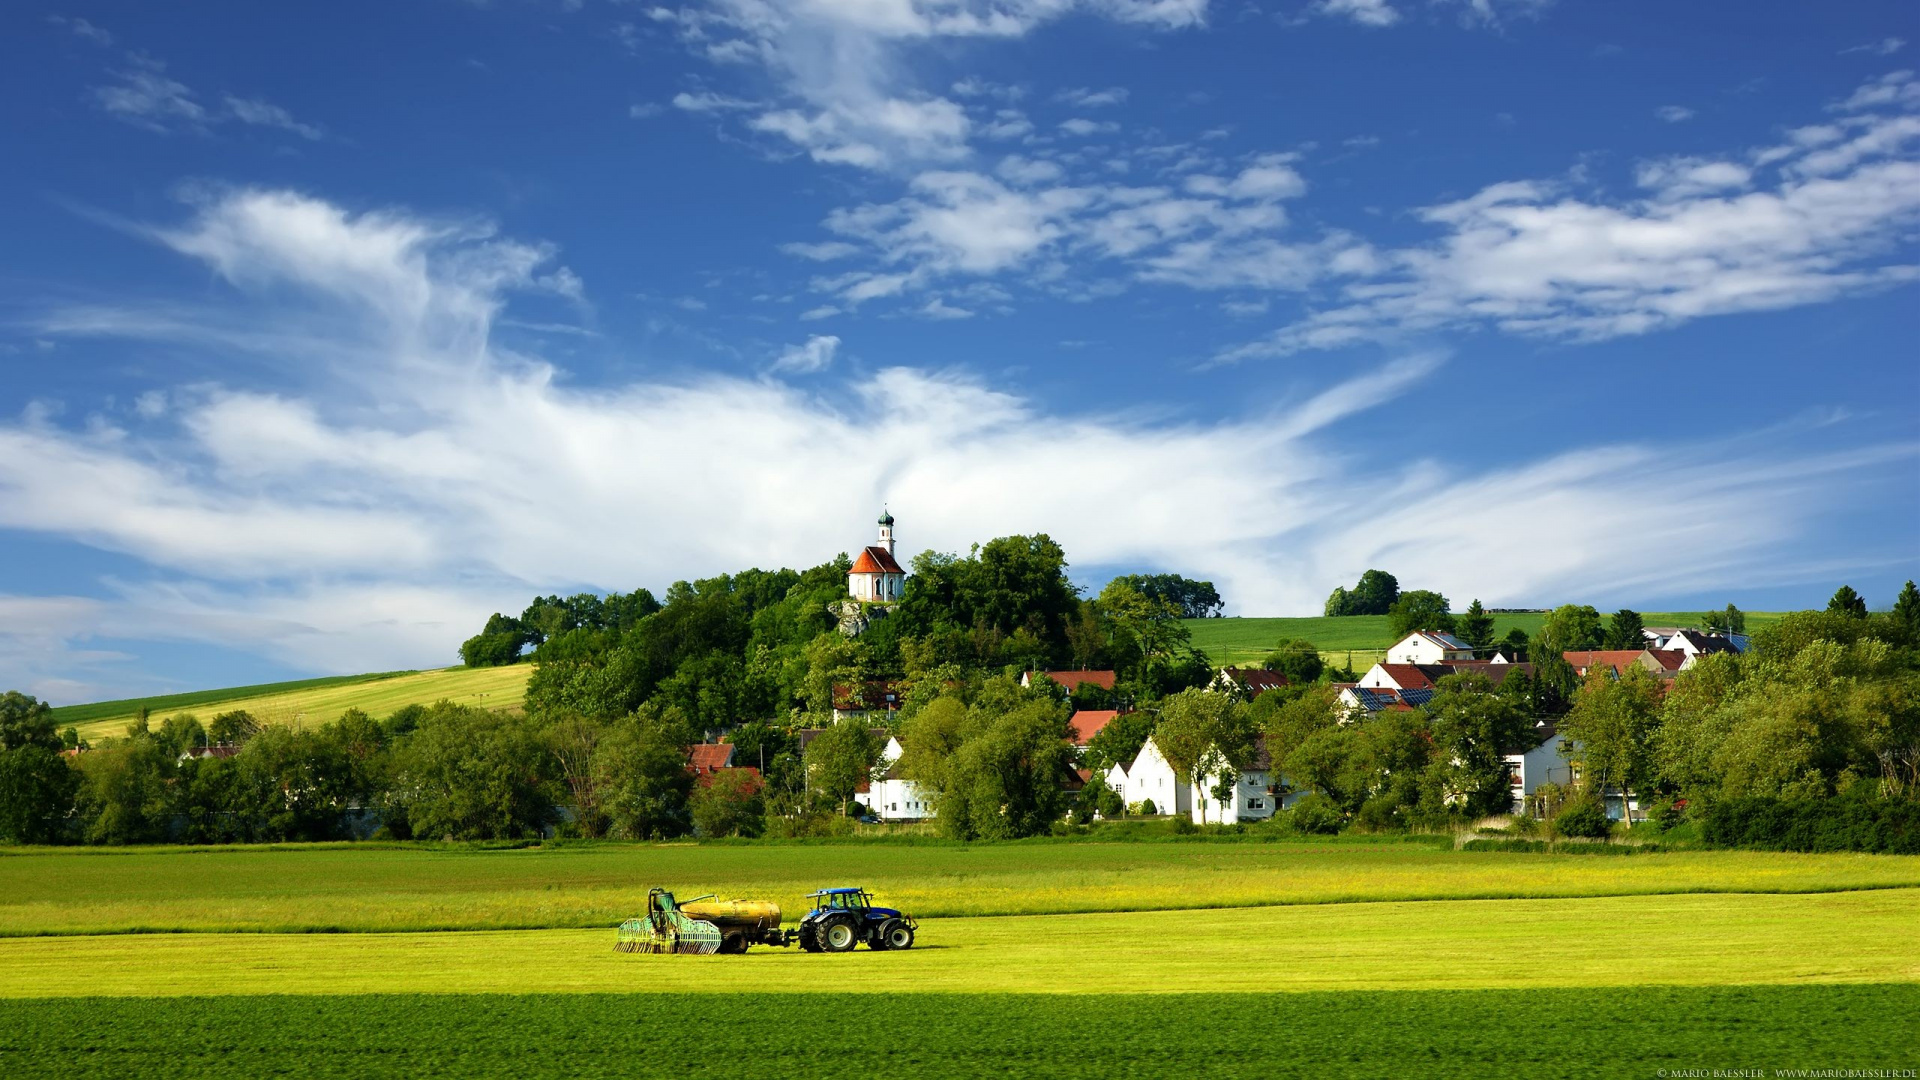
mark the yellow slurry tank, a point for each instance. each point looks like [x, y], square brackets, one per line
[735, 914]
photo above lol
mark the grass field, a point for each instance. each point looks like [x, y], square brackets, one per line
[1249, 640]
[401, 888]
[1333, 958]
[1547, 1033]
[1696, 940]
[316, 701]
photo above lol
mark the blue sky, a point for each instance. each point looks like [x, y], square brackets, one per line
[329, 331]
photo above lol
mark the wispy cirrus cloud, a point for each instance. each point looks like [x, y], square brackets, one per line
[374, 517]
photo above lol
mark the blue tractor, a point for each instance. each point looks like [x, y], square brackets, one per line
[843, 918]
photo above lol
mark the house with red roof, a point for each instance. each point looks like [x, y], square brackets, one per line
[705, 759]
[1087, 723]
[1250, 682]
[1662, 663]
[1072, 680]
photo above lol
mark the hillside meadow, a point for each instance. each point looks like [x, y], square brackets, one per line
[315, 702]
[1256, 1027]
[394, 888]
[1249, 640]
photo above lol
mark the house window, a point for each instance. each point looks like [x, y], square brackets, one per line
[1256, 804]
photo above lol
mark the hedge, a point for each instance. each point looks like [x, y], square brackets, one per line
[1843, 823]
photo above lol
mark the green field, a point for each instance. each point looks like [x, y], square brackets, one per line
[1249, 640]
[405, 888]
[315, 701]
[1258, 1028]
[1069, 958]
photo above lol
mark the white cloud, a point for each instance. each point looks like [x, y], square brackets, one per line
[82, 28]
[1083, 127]
[845, 70]
[822, 252]
[1886, 46]
[265, 114]
[937, 308]
[1713, 237]
[373, 519]
[1364, 12]
[815, 355]
[1673, 114]
[1082, 97]
[710, 102]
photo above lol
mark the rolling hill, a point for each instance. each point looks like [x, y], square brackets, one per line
[314, 701]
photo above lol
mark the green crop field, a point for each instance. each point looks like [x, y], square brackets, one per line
[409, 888]
[315, 701]
[1249, 640]
[1237, 1033]
[1068, 958]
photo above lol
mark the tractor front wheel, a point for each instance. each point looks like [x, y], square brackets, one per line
[838, 934]
[809, 938]
[898, 935]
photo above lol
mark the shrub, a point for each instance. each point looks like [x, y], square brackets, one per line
[1585, 817]
[1848, 822]
[1380, 813]
[1316, 814]
[1183, 825]
[1147, 808]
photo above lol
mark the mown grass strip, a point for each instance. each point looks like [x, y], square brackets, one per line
[1575, 1032]
[401, 889]
[1519, 944]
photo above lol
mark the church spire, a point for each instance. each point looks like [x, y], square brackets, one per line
[886, 530]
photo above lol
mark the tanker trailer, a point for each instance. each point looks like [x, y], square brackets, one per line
[702, 926]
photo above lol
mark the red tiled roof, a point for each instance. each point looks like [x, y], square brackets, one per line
[1088, 722]
[705, 758]
[1671, 659]
[1409, 676]
[875, 560]
[754, 780]
[1619, 660]
[1072, 679]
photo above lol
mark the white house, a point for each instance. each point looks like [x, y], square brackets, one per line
[875, 577]
[1250, 800]
[893, 797]
[1528, 767]
[1693, 642]
[1428, 647]
[1150, 778]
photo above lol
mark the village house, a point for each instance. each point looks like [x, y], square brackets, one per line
[1086, 723]
[1248, 682]
[1356, 699]
[1072, 680]
[1150, 779]
[1428, 647]
[1693, 642]
[1662, 663]
[874, 701]
[1252, 797]
[1537, 761]
[893, 797]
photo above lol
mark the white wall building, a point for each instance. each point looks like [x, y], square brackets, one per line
[1250, 799]
[893, 797]
[1150, 778]
[1428, 647]
[1541, 764]
[875, 576]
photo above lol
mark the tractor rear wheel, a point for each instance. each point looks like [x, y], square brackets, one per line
[838, 934]
[898, 935]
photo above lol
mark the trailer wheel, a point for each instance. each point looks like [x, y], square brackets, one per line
[838, 934]
[898, 935]
[733, 944]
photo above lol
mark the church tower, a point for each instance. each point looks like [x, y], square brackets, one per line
[876, 577]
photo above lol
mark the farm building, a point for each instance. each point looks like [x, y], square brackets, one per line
[1528, 767]
[1150, 779]
[1252, 797]
[1071, 680]
[1087, 723]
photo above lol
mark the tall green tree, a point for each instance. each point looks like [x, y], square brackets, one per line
[1906, 608]
[1625, 630]
[473, 774]
[1730, 621]
[641, 776]
[840, 759]
[1475, 627]
[1419, 609]
[1375, 592]
[1472, 729]
[1568, 628]
[1847, 602]
[1298, 659]
[1614, 729]
[37, 785]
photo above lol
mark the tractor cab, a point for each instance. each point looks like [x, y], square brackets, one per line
[843, 918]
[855, 900]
